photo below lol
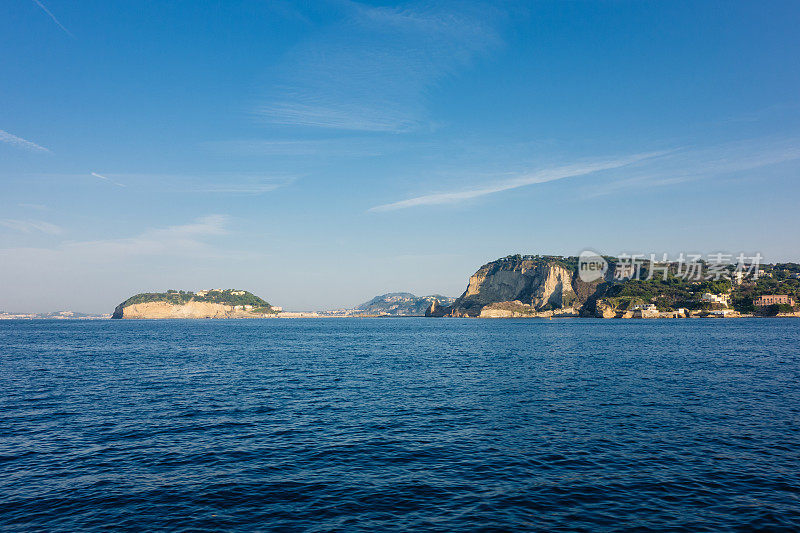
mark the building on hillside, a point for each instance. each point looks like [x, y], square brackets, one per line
[645, 311]
[722, 299]
[771, 299]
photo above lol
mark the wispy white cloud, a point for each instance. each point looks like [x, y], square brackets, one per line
[49, 14]
[244, 188]
[196, 253]
[37, 207]
[655, 169]
[693, 164]
[184, 239]
[109, 180]
[781, 110]
[235, 184]
[388, 116]
[373, 69]
[30, 226]
[192, 252]
[19, 142]
[540, 176]
[173, 239]
[318, 147]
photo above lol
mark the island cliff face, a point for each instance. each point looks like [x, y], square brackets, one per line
[520, 286]
[212, 303]
[552, 286]
[188, 310]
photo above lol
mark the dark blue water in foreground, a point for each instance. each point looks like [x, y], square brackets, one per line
[400, 424]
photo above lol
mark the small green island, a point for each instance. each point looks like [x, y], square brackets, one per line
[208, 303]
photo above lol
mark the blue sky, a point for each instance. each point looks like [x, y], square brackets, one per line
[321, 155]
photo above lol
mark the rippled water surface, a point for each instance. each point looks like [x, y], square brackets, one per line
[437, 424]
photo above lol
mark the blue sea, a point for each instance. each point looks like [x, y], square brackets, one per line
[400, 424]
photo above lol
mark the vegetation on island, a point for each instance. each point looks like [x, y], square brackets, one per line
[675, 291]
[570, 263]
[232, 297]
[669, 287]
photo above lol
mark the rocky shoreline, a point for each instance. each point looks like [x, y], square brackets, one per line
[552, 287]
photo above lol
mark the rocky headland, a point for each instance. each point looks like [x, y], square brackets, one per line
[518, 286]
[550, 286]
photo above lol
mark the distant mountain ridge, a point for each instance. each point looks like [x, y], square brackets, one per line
[402, 304]
[54, 315]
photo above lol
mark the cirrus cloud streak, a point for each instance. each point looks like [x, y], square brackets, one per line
[19, 142]
[541, 176]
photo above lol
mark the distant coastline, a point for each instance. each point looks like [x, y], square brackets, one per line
[531, 286]
[56, 315]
